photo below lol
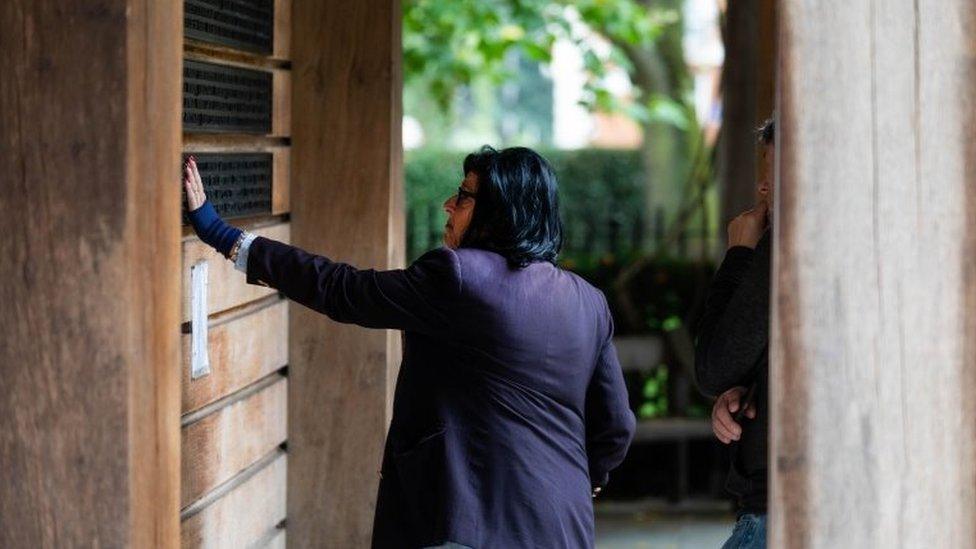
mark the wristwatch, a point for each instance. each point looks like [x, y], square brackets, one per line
[236, 247]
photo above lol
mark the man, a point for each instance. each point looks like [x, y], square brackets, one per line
[731, 358]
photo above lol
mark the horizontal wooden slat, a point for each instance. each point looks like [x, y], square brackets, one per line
[227, 287]
[242, 351]
[246, 515]
[226, 442]
[196, 50]
[231, 142]
[205, 51]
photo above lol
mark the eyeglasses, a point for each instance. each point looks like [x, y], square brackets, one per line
[462, 193]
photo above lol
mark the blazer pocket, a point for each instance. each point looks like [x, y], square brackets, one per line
[422, 472]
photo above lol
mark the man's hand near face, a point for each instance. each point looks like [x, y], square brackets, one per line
[748, 227]
[726, 406]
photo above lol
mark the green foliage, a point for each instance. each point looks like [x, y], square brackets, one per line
[447, 45]
[655, 394]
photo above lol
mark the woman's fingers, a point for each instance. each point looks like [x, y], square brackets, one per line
[195, 196]
[196, 174]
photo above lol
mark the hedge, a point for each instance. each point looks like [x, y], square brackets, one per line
[601, 200]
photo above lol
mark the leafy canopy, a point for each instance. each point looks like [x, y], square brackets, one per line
[448, 44]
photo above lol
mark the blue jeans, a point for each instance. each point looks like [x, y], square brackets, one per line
[749, 533]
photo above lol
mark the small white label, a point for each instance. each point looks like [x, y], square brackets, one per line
[199, 357]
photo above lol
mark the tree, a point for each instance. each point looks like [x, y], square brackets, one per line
[449, 45]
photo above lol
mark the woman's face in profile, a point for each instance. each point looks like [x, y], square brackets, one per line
[459, 211]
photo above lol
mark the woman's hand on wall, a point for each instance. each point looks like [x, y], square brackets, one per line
[204, 218]
[195, 196]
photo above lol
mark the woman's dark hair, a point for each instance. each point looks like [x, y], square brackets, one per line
[766, 133]
[516, 212]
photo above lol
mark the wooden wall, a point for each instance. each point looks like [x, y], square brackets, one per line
[89, 218]
[348, 204]
[107, 439]
[873, 353]
[234, 420]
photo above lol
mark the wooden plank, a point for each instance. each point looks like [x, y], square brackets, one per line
[282, 29]
[249, 513]
[89, 142]
[346, 203]
[154, 99]
[281, 104]
[281, 187]
[228, 288]
[200, 50]
[227, 441]
[228, 142]
[242, 351]
[874, 284]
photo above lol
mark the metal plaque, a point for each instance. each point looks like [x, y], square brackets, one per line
[237, 184]
[218, 98]
[243, 24]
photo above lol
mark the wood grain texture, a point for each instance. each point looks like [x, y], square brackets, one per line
[281, 184]
[89, 444]
[346, 203]
[225, 442]
[153, 226]
[873, 364]
[248, 514]
[282, 29]
[227, 287]
[281, 103]
[242, 351]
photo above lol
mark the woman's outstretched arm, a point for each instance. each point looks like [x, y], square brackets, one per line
[415, 299]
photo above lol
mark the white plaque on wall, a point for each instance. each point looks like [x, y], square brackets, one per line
[199, 358]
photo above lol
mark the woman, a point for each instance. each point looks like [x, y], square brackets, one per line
[510, 407]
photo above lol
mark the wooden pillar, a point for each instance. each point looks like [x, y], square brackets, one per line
[346, 203]
[89, 218]
[873, 348]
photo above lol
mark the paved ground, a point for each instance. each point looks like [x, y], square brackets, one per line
[652, 524]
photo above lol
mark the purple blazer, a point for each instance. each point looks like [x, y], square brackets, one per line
[510, 404]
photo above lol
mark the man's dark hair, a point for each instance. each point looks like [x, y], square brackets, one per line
[766, 133]
[516, 212]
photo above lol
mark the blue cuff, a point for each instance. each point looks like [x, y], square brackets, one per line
[212, 229]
